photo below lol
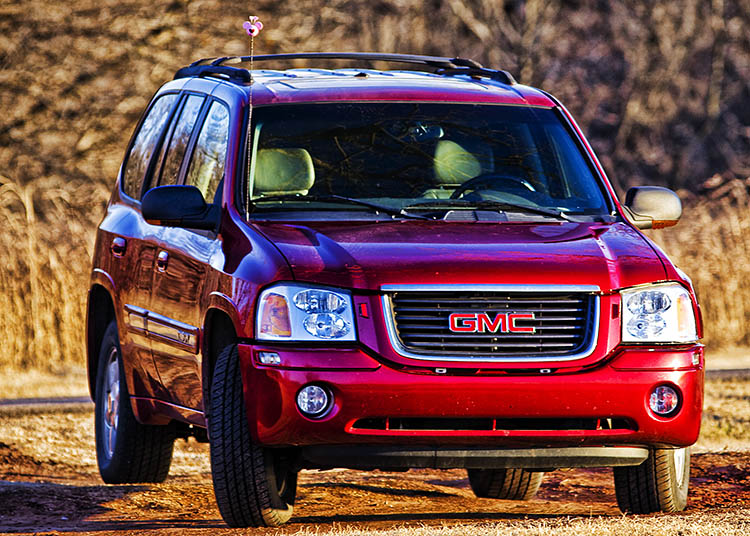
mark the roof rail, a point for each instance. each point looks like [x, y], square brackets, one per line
[441, 65]
[232, 73]
[495, 74]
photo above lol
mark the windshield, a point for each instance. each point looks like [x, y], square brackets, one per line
[368, 160]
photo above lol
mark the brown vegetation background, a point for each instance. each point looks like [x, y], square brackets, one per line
[662, 89]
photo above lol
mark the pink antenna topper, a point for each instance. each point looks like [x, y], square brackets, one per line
[253, 26]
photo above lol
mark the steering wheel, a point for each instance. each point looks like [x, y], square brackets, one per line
[485, 182]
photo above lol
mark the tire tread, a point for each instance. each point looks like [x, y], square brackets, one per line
[238, 467]
[143, 453]
[650, 486]
[514, 484]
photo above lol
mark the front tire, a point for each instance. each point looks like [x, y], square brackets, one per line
[126, 450]
[253, 486]
[513, 484]
[660, 484]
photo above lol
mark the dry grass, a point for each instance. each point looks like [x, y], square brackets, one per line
[735, 523]
[45, 262]
[726, 416]
[72, 381]
[712, 245]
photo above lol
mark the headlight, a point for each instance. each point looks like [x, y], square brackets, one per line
[658, 313]
[291, 312]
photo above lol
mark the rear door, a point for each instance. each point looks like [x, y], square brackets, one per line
[131, 246]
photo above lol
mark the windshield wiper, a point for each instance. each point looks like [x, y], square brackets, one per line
[495, 205]
[342, 199]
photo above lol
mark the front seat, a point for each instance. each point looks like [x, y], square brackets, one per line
[283, 171]
[456, 163]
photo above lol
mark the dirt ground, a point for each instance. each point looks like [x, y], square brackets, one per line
[49, 483]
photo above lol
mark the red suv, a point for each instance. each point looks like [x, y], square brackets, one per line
[385, 269]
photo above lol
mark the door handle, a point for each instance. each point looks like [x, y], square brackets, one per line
[162, 260]
[119, 244]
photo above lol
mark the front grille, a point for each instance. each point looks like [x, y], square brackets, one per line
[563, 323]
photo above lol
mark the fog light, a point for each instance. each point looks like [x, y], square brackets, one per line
[313, 401]
[664, 400]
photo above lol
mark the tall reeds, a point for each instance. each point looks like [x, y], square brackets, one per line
[712, 245]
[46, 240]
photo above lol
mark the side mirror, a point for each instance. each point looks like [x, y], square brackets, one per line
[652, 207]
[179, 206]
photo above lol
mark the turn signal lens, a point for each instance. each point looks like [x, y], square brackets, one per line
[274, 316]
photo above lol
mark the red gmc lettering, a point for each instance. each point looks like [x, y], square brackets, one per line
[482, 323]
[468, 323]
[513, 328]
[500, 323]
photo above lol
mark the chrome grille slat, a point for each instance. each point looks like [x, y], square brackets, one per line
[563, 323]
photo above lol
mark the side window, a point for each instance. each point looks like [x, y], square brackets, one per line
[207, 164]
[180, 137]
[145, 142]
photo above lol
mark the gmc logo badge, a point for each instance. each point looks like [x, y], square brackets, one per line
[482, 323]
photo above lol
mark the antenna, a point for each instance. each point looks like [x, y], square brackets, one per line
[252, 26]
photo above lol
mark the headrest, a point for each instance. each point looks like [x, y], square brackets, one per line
[455, 164]
[283, 171]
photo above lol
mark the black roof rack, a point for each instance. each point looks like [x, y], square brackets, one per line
[231, 73]
[443, 66]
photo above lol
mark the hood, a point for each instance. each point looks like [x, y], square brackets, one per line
[368, 255]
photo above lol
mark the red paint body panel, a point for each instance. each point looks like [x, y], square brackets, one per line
[369, 255]
[601, 393]
[403, 87]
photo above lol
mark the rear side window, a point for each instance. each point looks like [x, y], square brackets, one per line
[180, 138]
[207, 165]
[144, 145]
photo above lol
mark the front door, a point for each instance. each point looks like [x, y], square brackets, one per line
[183, 264]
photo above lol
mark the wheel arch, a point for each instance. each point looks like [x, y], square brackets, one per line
[100, 312]
[219, 330]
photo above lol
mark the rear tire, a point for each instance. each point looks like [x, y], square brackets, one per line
[126, 450]
[513, 484]
[660, 484]
[254, 486]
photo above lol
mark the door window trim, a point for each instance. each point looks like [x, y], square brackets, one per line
[149, 169]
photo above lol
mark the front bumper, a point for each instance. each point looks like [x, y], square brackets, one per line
[378, 405]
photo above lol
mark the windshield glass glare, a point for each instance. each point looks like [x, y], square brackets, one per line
[417, 157]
